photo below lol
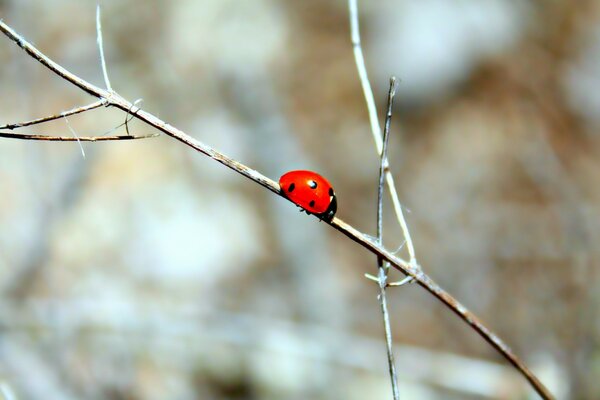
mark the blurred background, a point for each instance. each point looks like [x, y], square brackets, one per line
[148, 271]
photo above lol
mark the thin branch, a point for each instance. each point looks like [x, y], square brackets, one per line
[129, 117]
[384, 161]
[362, 73]
[406, 267]
[63, 114]
[381, 268]
[375, 128]
[428, 284]
[402, 282]
[76, 136]
[101, 49]
[48, 138]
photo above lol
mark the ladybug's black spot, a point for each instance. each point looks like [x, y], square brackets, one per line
[312, 203]
[312, 184]
[331, 191]
[292, 187]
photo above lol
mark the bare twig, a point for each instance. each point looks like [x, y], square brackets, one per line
[76, 136]
[63, 114]
[129, 117]
[48, 138]
[384, 161]
[406, 267]
[101, 49]
[375, 128]
[381, 268]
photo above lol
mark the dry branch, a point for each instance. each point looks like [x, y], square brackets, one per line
[63, 114]
[113, 99]
[49, 138]
[53, 138]
[383, 268]
[375, 128]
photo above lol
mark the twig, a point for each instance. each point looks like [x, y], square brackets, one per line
[76, 136]
[77, 110]
[63, 114]
[101, 49]
[375, 128]
[380, 265]
[384, 161]
[406, 267]
[129, 117]
[48, 138]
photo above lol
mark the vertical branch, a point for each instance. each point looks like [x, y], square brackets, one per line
[101, 49]
[383, 270]
[383, 159]
[375, 128]
[362, 74]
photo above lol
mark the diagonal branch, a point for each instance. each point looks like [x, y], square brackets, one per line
[64, 114]
[408, 268]
[76, 110]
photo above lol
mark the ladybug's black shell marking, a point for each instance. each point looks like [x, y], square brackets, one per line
[311, 192]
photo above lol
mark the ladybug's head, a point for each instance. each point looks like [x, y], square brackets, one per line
[331, 210]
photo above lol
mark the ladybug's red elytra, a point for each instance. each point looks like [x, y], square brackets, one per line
[311, 192]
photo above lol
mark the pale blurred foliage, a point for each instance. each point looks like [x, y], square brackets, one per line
[147, 271]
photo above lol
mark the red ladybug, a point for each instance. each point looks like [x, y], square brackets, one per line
[311, 192]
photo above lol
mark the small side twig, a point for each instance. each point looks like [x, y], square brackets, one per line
[76, 136]
[375, 127]
[48, 138]
[105, 137]
[78, 110]
[380, 264]
[63, 114]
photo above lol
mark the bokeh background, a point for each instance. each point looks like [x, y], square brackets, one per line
[147, 271]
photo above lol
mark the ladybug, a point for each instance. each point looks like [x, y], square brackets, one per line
[309, 191]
